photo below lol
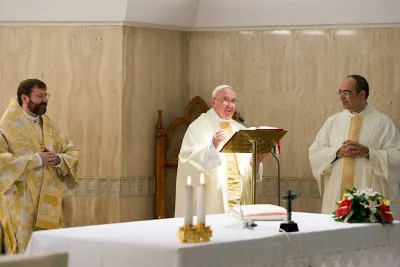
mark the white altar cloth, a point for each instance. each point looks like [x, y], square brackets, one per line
[320, 242]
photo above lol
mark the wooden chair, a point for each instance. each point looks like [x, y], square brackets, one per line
[169, 140]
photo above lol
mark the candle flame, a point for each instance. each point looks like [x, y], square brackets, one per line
[202, 178]
[189, 180]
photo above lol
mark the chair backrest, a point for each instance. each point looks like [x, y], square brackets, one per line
[39, 260]
[2, 243]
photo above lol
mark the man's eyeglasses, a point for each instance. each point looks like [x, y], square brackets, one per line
[42, 96]
[345, 93]
[226, 101]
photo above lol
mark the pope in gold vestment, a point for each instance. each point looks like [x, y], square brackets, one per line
[30, 193]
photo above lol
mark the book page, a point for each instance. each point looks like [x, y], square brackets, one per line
[268, 128]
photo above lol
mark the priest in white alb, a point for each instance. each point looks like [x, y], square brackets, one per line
[227, 175]
[358, 147]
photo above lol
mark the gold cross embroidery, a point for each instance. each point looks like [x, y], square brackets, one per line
[233, 173]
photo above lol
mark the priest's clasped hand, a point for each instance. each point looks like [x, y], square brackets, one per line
[220, 138]
[353, 149]
[49, 158]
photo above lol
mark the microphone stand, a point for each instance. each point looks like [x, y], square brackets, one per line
[254, 165]
[279, 178]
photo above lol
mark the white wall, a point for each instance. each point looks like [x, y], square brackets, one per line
[62, 10]
[205, 14]
[259, 13]
[165, 12]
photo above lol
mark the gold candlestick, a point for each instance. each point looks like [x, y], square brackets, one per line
[195, 234]
[204, 232]
[188, 234]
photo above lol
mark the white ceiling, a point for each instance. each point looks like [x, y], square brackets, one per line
[203, 14]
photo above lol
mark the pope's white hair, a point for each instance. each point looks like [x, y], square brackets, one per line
[218, 88]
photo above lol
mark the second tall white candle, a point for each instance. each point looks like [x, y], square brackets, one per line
[201, 201]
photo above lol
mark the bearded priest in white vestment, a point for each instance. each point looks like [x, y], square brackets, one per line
[227, 175]
[358, 147]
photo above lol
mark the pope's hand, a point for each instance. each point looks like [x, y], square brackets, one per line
[219, 138]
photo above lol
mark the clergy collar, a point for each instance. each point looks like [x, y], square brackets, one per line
[361, 112]
[214, 114]
[32, 119]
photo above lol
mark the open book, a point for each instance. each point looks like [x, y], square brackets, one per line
[264, 128]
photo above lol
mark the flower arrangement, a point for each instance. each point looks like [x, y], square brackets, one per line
[365, 205]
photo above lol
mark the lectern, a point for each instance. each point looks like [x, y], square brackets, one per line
[253, 141]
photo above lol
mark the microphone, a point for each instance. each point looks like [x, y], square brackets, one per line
[241, 119]
[243, 224]
[249, 224]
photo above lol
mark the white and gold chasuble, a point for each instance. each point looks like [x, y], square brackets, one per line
[381, 171]
[227, 176]
[234, 187]
[31, 195]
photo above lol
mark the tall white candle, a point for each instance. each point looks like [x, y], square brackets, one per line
[201, 201]
[189, 202]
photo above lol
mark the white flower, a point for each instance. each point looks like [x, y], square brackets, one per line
[372, 205]
[369, 192]
[348, 196]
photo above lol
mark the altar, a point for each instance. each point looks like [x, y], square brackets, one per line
[320, 242]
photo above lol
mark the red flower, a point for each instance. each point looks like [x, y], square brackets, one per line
[385, 213]
[344, 208]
